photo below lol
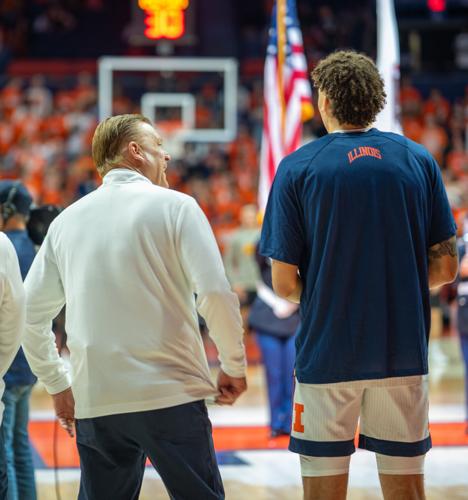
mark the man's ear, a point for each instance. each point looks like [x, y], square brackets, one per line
[321, 103]
[134, 150]
[326, 104]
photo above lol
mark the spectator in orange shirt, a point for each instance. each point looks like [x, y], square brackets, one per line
[52, 192]
[437, 106]
[243, 151]
[85, 91]
[434, 138]
[11, 96]
[412, 127]
[410, 98]
[39, 97]
[457, 158]
[7, 134]
[54, 125]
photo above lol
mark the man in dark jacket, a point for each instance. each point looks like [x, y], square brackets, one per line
[15, 203]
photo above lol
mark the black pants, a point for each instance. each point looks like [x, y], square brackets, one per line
[177, 440]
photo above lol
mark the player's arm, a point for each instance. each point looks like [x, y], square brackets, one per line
[286, 281]
[443, 262]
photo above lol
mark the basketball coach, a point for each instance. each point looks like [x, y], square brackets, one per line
[128, 260]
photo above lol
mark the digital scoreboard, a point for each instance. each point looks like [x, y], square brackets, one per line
[161, 20]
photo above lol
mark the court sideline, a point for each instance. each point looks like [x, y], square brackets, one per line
[258, 468]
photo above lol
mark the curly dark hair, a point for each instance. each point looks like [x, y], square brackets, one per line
[353, 84]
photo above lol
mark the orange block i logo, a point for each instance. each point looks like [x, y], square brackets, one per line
[298, 426]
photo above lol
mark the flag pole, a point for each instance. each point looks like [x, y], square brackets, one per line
[287, 96]
[281, 46]
[388, 62]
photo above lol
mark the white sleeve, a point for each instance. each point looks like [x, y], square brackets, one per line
[12, 313]
[44, 300]
[216, 302]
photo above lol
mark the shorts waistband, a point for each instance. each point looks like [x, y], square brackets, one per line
[380, 382]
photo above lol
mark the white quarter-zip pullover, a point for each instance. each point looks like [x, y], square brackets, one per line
[127, 260]
[12, 312]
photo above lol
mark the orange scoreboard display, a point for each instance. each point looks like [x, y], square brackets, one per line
[164, 18]
[157, 20]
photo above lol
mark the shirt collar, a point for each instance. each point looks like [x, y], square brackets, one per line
[352, 131]
[123, 175]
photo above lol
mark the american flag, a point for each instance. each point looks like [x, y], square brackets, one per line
[287, 93]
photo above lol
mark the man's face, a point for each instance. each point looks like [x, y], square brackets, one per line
[155, 158]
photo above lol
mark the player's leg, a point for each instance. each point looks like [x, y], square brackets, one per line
[394, 424]
[325, 417]
[332, 483]
[401, 477]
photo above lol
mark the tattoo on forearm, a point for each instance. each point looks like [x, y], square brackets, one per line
[448, 247]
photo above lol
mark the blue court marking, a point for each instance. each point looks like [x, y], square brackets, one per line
[229, 458]
[37, 460]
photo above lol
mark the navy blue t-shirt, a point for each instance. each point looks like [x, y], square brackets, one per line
[19, 372]
[357, 212]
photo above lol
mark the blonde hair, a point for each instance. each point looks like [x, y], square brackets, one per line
[109, 138]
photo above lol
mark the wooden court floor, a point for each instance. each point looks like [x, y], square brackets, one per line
[268, 472]
[153, 490]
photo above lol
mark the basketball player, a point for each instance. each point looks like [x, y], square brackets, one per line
[128, 259]
[359, 228]
[11, 327]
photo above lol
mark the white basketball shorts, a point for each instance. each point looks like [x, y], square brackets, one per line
[392, 415]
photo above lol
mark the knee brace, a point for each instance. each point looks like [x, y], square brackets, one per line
[400, 465]
[324, 466]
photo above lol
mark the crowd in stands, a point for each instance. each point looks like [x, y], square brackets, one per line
[441, 126]
[45, 139]
[46, 124]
